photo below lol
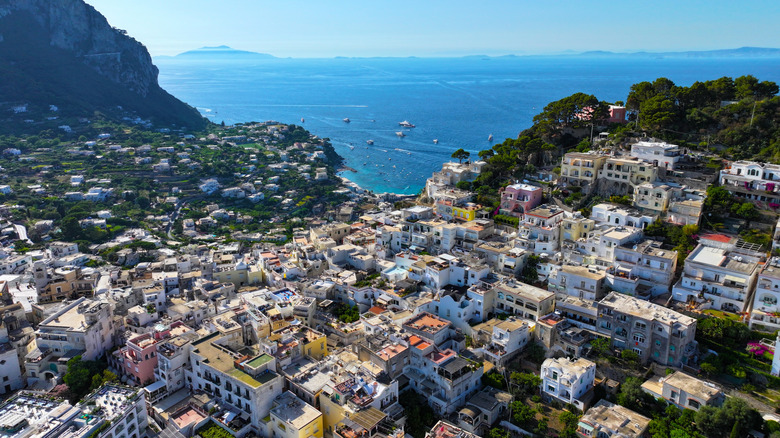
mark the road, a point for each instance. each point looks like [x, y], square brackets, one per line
[22, 232]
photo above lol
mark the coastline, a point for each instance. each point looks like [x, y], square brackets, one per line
[355, 187]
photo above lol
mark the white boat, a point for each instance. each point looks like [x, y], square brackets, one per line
[400, 134]
[302, 120]
[490, 137]
[435, 141]
[369, 141]
[406, 124]
[352, 148]
[346, 120]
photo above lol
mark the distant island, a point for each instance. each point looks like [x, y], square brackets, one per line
[227, 52]
[220, 52]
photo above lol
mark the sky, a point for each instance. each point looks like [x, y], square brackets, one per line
[327, 28]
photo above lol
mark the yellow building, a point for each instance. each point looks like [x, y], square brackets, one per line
[466, 212]
[292, 417]
[315, 344]
[576, 227]
[332, 410]
[627, 172]
[581, 169]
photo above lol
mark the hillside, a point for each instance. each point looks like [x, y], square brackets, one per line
[66, 54]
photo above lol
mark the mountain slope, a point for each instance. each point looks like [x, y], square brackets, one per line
[65, 53]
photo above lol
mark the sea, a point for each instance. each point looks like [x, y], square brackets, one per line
[459, 102]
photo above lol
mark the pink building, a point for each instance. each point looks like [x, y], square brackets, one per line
[617, 114]
[136, 360]
[519, 198]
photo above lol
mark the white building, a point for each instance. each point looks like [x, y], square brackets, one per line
[509, 338]
[568, 380]
[724, 277]
[249, 385]
[642, 269]
[538, 232]
[618, 215]
[753, 181]
[83, 327]
[209, 186]
[657, 153]
[577, 281]
[765, 312]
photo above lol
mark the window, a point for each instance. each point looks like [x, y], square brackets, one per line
[694, 404]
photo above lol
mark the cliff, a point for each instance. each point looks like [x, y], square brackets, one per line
[65, 53]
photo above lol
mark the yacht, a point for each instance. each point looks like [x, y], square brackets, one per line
[302, 120]
[435, 141]
[406, 124]
[346, 120]
[400, 134]
[369, 142]
[490, 137]
[352, 148]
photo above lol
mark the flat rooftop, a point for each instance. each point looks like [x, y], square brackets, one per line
[294, 411]
[428, 322]
[645, 309]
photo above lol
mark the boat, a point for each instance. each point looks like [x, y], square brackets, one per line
[389, 159]
[400, 134]
[406, 124]
[346, 120]
[435, 141]
[490, 137]
[370, 142]
[352, 148]
[302, 120]
[408, 153]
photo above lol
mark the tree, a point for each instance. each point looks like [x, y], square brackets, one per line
[497, 432]
[461, 154]
[746, 211]
[71, 230]
[600, 346]
[569, 421]
[494, 379]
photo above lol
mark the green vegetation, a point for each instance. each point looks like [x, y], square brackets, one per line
[84, 376]
[419, 415]
[212, 430]
[746, 127]
[346, 313]
[681, 238]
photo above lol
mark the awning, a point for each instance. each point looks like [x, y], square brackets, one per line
[734, 279]
[155, 386]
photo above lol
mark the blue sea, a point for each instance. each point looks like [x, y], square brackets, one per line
[459, 101]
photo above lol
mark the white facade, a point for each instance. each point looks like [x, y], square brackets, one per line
[765, 312]
[568, 380]
[617, 215]
[723, 277]
[656, 152]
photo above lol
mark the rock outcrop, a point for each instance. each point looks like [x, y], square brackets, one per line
[65, 52]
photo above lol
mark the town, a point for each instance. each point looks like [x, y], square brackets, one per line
[151, 302]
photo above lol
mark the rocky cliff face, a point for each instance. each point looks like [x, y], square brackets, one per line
[78, 37]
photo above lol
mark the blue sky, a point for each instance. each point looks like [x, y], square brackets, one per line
[326, 28]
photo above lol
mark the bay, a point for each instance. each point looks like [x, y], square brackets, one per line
[458, 101]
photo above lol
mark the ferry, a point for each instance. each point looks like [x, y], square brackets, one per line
[370, 142]
[406, 124]
[400, 134]
[346, 120]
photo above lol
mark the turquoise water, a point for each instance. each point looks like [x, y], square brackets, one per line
[460, 101]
